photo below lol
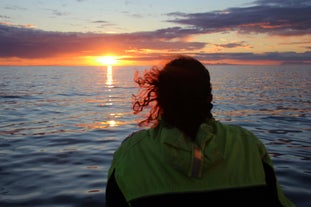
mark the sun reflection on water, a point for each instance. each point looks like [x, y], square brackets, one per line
[101, 124]
[109, 79]
[112, 123]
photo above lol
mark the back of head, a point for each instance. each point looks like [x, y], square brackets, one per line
[184, 94]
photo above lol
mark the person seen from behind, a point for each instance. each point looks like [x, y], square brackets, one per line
[187, 158]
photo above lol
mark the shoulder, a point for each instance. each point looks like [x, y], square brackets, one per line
[235, 133]
[141, 140]
[133, 139]
[237, 139]
[232, 128]
[126, 146]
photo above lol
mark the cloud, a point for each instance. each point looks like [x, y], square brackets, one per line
[9, 24]
[100, 22]
[23, 42]
[276, 17]
[241, 44]
[103, 23]
[282, 3]
[4, 17]
[59, 13]
[14, 7]
[268, 56]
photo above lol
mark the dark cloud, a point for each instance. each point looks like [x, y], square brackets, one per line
[30, 43]
[233, 45]
[276, 17]
[269, 56]
[100, 22]
[18, 41]
[103, 23]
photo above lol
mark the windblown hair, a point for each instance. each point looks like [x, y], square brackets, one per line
[180, 94]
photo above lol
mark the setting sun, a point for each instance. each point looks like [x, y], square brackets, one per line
[107, 60]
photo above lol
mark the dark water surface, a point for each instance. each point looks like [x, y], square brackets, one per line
[59, 127]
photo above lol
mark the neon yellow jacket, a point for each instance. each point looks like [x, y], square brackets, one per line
[162, 160]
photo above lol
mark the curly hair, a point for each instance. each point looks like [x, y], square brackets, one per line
[148, 95]
[180, 94]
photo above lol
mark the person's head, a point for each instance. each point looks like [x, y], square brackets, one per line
[180, 93]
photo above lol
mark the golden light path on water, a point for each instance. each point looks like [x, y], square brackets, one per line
[110, 121]
[109, 84]
[109, 76]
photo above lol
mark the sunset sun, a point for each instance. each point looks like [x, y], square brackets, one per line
[107, 60]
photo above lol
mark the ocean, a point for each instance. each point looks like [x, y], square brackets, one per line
[59, 127]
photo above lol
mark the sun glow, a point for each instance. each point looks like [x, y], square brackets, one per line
[107, 60]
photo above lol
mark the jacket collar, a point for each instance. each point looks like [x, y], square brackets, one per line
[187, 155]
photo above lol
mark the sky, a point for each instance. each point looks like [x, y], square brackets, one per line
[146, 32]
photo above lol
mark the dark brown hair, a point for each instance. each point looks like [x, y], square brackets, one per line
[180, 94]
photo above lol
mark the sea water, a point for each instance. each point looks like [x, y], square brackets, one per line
[59, 127]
